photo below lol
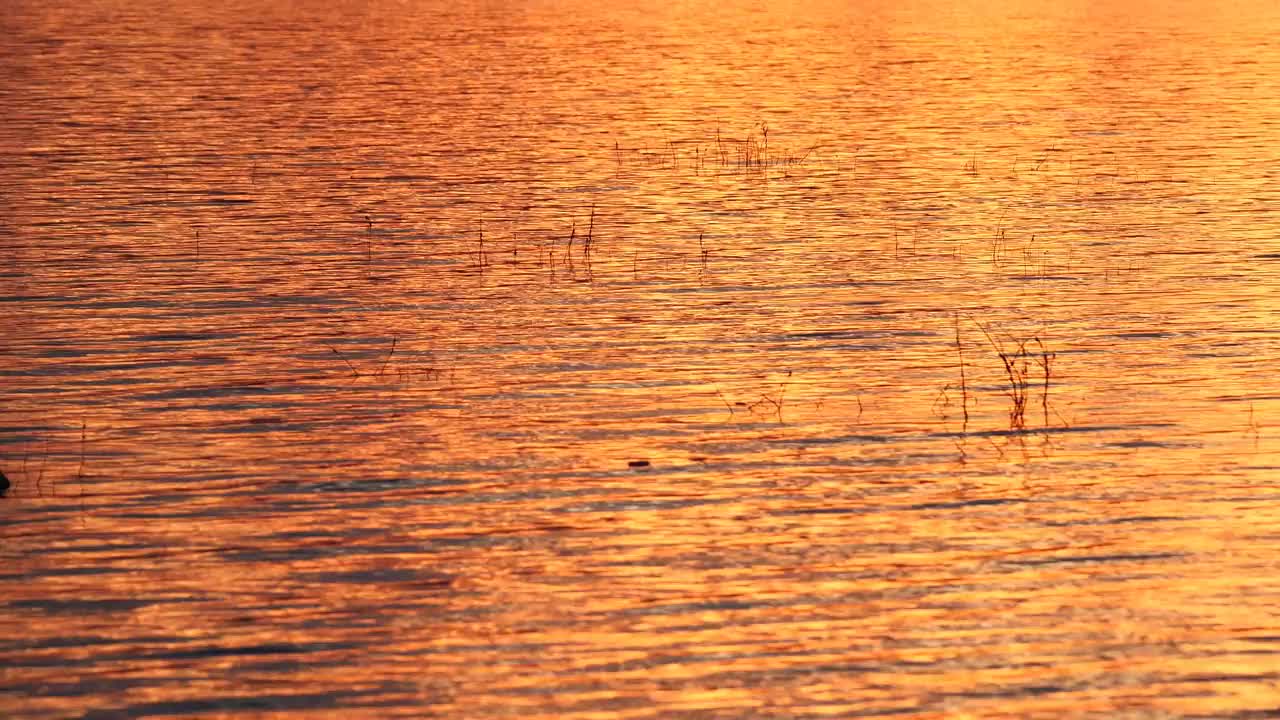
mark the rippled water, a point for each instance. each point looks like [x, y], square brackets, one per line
[551, 360]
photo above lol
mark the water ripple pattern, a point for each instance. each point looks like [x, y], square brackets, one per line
[559, 359]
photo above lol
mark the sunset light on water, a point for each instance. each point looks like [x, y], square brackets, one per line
[639, 360]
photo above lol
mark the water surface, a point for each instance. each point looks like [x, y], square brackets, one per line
[558, 360]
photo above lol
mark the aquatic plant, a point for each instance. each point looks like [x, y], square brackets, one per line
[1045, 360]
[1017, 364]
[964, 385]
[568, 250]
[999, 241]
[1017, 370]
[382, 370]
[480, 258]
[774, 402]
[354, 372]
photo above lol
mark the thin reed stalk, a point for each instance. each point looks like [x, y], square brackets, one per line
[964, 385]
[352, 368]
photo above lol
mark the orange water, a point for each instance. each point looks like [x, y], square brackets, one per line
[329, 337]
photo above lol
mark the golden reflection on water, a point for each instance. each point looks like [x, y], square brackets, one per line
[336, 340]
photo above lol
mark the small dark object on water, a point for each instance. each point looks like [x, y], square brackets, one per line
[4, 484]
[638, 463]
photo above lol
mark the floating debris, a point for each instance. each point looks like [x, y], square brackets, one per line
[638, 463]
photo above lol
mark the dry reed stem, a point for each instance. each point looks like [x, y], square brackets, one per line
[354, 372]
[394, 341]
[964, 386]
[1016, 370]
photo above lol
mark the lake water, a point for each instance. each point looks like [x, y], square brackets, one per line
[558, 360]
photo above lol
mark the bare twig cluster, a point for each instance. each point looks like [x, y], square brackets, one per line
[1020, 361]
[753, 153]
[773, 401]
[403, 374]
